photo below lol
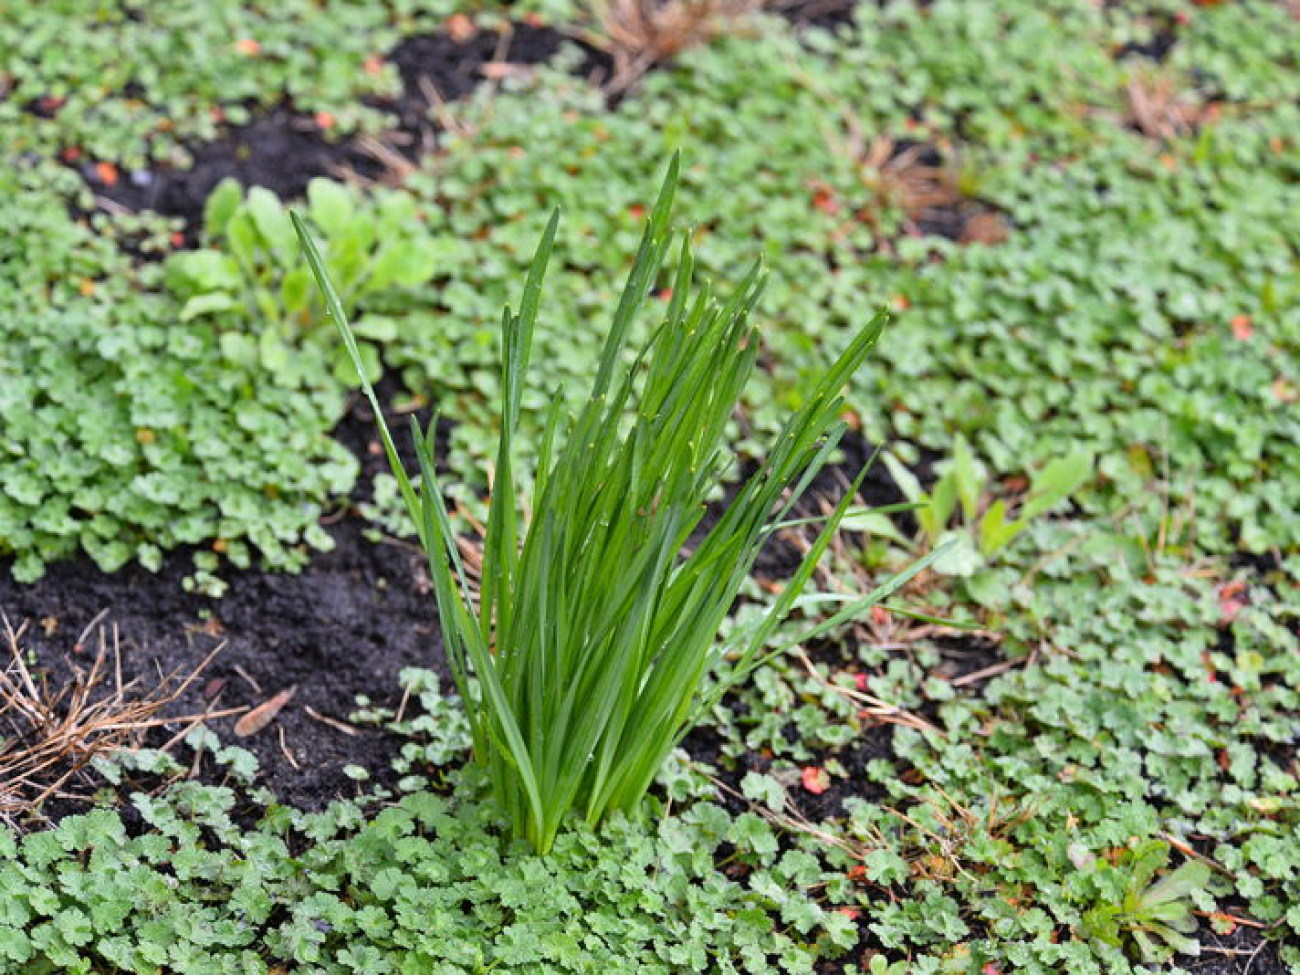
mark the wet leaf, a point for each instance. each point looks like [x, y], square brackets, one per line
[262, 715]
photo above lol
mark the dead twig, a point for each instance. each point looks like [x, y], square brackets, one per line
[335, 723]
[111, 206]
[1157, 107]
[441, 110]
[397, 168]
[638, 34]
[284, 750]
[48, 735]
[985, 673]
[1187, 850]
[248, 678]
[869, 705]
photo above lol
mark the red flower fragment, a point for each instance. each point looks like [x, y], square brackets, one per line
[816, 780]
[1232, 600]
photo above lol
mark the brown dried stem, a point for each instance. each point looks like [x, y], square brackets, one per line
[48, 734]
[638, 34]
[1158, 107]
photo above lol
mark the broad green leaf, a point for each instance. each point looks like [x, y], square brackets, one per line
[199, 272]
[272, 222]
[1056, 482]
[961, 557]
[405, 263]
[239, 348]
[904, 478]
[1146, 858]
[331, 205]
[272, 352]
[295, 290]
[207, 304]
[1191, 876]
[268, 306]
[943, 499]
[244, 239]
[873, 523]
[345, 371]
[379, 328]
[221, 205]
[995, 533]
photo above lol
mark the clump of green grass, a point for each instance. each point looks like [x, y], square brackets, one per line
[582, 656]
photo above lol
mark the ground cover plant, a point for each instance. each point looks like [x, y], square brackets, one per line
[117, 414]
[1082, 217]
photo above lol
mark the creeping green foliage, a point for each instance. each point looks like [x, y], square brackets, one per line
[1142, 678]
[189, 69]
[124, 431]
[1103, 323]
[880, 965]
[1139, 702]
[422, 884]
[193, 70]
[437, 733]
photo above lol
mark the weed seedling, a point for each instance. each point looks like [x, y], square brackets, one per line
[251, 268]
[958, 509]
[1156, 917]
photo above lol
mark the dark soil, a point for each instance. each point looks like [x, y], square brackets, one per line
[965, 655]
[780, 558]
[284, 149]
[281, 150]
[452, 69]
[345, 626]
[1162, 37]
[359, 433]
[1156, 49]
[1243, 952]
[826, 14]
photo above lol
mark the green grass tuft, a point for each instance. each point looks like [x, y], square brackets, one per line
[593, 630]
